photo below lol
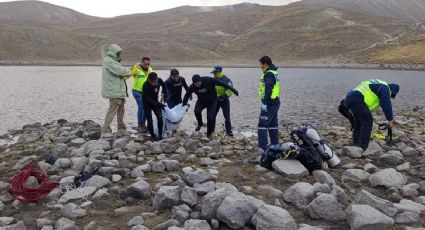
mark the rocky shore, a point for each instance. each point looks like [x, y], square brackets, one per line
[190, 182]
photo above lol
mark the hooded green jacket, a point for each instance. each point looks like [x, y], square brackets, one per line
[113, 74]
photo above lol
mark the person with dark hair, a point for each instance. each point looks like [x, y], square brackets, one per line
[223, 95]
[268, 92]
[114, 88]
[151, 103]
[140, 74]
[174, 84]
[364, 99]
[204, 88]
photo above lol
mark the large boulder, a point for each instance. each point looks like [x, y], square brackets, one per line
[98, 181]
[388, 177]
[366, 198]
[76, 194]
[95, 145]
[199, 176]
[212, 201]
[326, 207]
[352, 151]
[290, 168]
[299, 194]
[364, 217]
[167, 197]
[270, 217]
[72, 210]
[196, 225]
[189, 196]
[355, 175]
[391, 159]
[237, 209]
[139, 190]
[323, 177]
[410, 206]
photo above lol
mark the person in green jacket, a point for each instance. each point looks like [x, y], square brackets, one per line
[114, 88]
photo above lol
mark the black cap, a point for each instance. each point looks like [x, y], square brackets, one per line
[152, 76]
[196, 78]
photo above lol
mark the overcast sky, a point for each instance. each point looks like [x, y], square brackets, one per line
[107, 8]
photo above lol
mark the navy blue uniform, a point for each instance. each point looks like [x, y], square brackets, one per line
[174, 91]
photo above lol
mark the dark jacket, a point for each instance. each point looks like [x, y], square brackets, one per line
[269, 81]
[384, 95]
[206, 93]
[150, 93]
[174, 88]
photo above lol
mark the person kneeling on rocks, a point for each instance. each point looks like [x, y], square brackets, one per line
[152, 104]
[364, 99]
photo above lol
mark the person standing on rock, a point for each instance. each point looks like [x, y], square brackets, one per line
[204, 88]
[114, 88]
[151, 103]
[268, 92]
[175, 83]
[364, 99]
[223, 95]
[140, 73]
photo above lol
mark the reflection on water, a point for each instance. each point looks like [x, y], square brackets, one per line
[37, 93]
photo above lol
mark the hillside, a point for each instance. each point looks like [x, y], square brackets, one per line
[236, 34]
[411, 10]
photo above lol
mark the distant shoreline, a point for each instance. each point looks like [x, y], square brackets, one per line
[406, 67]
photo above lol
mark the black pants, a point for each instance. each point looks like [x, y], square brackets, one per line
[211, 107]
[362, 127]
[173, 101]
[224, 104]
[158, 113]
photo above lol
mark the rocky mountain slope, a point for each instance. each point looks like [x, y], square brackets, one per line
[236, 34]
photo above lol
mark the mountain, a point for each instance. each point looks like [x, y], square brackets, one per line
[410, 10]
[237, 34]
[41, 12]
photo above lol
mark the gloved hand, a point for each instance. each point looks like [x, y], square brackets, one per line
[263, 107]
[235, 92]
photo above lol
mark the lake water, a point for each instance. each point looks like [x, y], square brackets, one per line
[31, 94]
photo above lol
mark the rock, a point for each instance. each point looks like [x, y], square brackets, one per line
[352, 151]
[204, 188]
[180, 216]
[326, 207]
[60, 150]
[72, 210]
[206, 161]
[4, 220]
[237, 209]
[196, 225]
[321, 188]
[120, 143]
[373, 150]
[78, 193]
[388, 177]
[270, 192]
[355, 175]
[116, 178]
[77, 142]
[270, 217]
[409, 191]
[307, 227]
[98, 181]
[403, 167]
[299, 194]
[171, 165]
[366, 217]
[189, 196]
[166, 197]
[340, 195]
[410, 206]
[138, 171]
[24, 161]
[323, 177]
[30, 137]
[78, 163]
[409, 151]
[94, 145]
[92, 226]
[43, 222]
[63, 163]
[139, 190]
[31, 182]
[64, 223]
[101, 194]
[370, 168]
[290, 168]
[366, 198]
[126, 210]
[18, 226]
[158, 167]
[247, 190]
[137, 220]
[134, 147]
[391, 159]
[212, 201]
[166, 225]
[420, 200]
[407, 218]
[215, 224]
[198, 176]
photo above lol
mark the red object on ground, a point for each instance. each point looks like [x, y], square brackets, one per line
[30, 195]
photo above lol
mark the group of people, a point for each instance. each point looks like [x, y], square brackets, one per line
[213, 94]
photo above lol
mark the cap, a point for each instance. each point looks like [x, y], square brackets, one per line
[217, 69]
[152, 76]
[394, 89]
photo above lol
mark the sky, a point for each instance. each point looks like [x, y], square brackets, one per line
[106, 8]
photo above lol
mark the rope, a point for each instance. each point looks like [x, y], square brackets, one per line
[29, 195]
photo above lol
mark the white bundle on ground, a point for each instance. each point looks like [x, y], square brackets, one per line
[172, 119]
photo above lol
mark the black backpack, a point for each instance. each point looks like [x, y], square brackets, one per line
[308, 154]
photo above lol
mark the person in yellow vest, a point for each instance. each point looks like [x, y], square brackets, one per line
[268, 92]
[364, 99]
[140, 73]
[223, 95]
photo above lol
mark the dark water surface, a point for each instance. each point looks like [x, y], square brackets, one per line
[38, 93]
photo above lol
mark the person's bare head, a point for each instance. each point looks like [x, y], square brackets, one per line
[153, 79]
[146, 62]
[196, 80]
[174, 74]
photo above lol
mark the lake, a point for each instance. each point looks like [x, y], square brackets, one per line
[31, 94]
